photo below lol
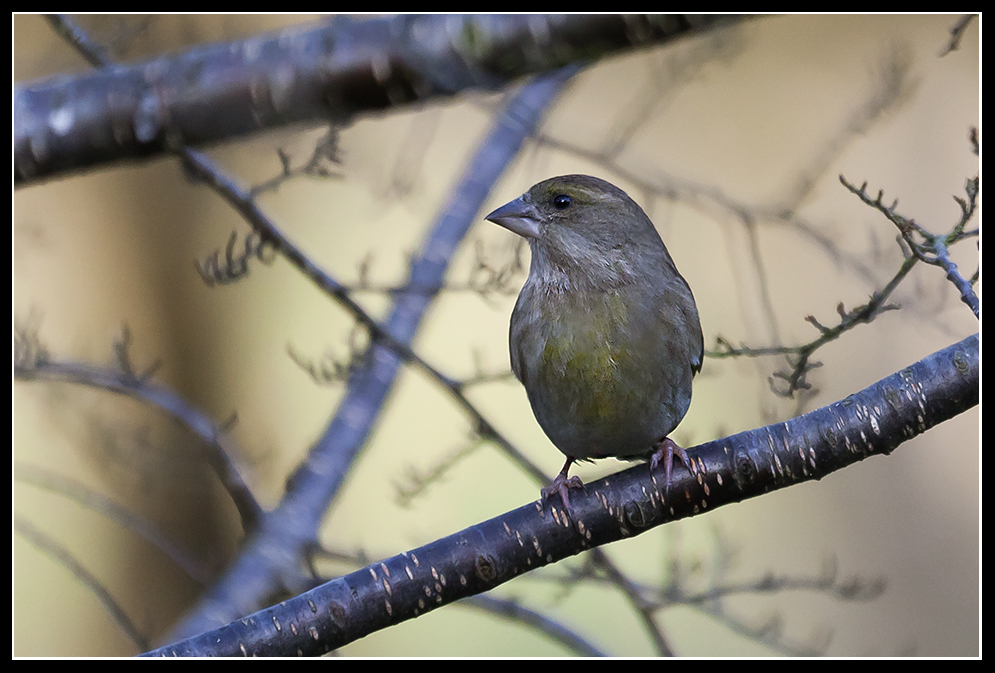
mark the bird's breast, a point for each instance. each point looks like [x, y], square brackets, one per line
[592, 365]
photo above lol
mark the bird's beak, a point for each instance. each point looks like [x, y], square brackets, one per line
[517, 216]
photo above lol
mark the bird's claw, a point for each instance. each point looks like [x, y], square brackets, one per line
[562, 485]
[665, 452]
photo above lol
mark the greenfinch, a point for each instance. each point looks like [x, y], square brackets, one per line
[605, 334]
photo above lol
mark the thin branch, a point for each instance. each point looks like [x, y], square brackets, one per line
[674, 593]
[484, 279]
[929, 247]
[325, 152]
[67, 28]
[769, 631]
[800, 357]
[920, 244]
[330, 369]
[556, 631]
[957, 33]
[235, 266]
[51, 547]
[124, 380]
[646, 613]
[240, 199]
[418, 482]
[891, 88]
[293, 526]
[98, 502]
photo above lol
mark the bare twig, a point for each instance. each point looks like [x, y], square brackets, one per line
[98, 502]
[326, 152]
[124, 380]
[553, 629]
[51, 547]
[800, 357]
[919, 245]
[235, 265]
[926, 246]
[957, 33]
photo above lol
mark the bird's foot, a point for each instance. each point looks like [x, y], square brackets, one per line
[665, 452]
[562, 485]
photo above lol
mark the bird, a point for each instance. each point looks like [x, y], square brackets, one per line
[605, 335]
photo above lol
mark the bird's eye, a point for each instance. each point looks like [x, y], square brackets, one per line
[562, 201]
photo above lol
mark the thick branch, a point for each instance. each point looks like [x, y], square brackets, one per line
[335, 71]
[873, 421]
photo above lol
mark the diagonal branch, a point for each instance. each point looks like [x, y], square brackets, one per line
[871, 422]
[292, 527]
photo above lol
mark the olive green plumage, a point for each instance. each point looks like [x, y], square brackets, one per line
[605, 335]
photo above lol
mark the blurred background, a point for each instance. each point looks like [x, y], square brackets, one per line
[732, 141]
